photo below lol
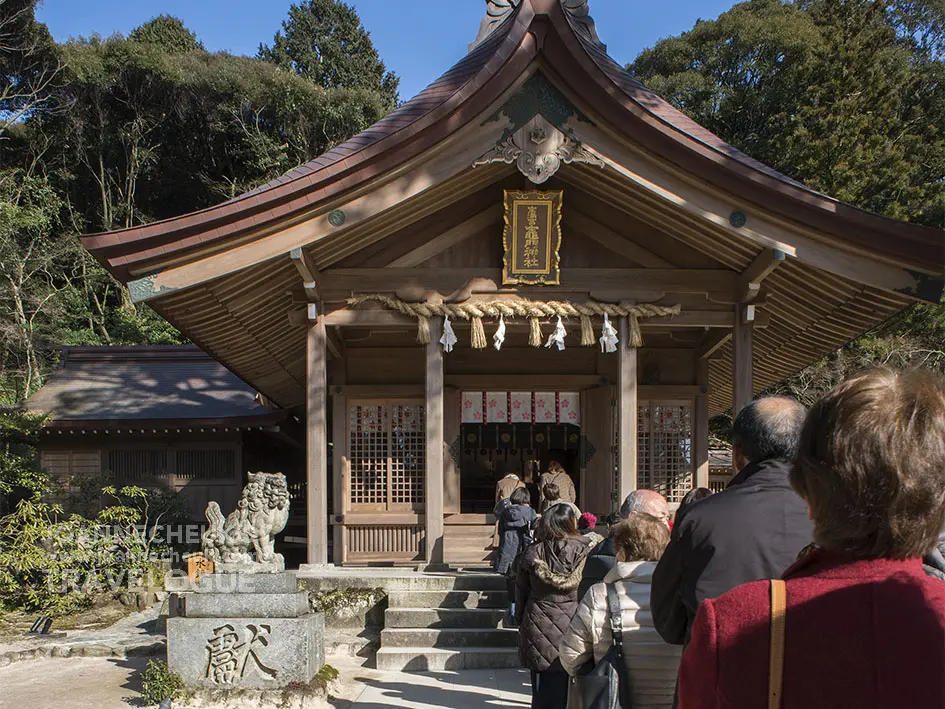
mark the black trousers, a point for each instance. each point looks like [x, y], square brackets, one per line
[549, 690]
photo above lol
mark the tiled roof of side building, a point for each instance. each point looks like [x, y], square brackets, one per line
[170, 383]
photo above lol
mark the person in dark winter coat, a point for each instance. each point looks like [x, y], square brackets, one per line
[546, 598]
[864, 625]
[934, 562]
[516, 519]
[603, 557]
[754, 529]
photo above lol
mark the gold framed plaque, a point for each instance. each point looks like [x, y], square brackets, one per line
[532, 238]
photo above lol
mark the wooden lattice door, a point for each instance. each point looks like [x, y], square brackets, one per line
[386, 454]
[664, 453]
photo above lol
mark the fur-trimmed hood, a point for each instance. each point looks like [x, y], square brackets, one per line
[559, 564]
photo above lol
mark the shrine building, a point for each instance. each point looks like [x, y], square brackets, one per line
[534, 259]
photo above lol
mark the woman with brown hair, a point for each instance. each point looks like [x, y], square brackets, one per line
[651, 663]
[857, 622]
[546, 597]
[559, 477]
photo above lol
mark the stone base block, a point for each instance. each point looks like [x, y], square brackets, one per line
[247, 583]
[246, 605]
[256, 653]
[276, 566]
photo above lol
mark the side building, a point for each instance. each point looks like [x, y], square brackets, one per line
[169, 417]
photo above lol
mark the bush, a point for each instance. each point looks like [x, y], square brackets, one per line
[59, 565]
[159, 683]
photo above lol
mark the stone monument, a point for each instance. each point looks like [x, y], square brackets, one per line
[247, 625]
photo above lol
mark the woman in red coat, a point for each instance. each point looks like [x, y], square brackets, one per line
[865, 627]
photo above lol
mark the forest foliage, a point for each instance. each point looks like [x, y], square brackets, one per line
[105, 133]
[102, 133]
[846, 96]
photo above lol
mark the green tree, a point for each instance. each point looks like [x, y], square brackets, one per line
[155, 127]
[847, 96]
[29, 65]
[324, 41]
[169, 33]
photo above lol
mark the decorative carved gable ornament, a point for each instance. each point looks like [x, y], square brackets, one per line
[538, 149]
[497, 11]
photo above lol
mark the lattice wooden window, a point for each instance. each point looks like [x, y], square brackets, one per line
[203, 464]
[407, 454]
[643, 447]
[386, 453]
[137, 465]
[66, 464]
[665, 449]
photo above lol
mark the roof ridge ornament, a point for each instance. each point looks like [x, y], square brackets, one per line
[497, 11]
[538, 150]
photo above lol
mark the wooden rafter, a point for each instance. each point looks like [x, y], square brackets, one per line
[449, 238]
[749, 283]
[311, 276]
[613, 241]
[711, 343]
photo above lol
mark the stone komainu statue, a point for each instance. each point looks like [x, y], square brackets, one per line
[261, 514]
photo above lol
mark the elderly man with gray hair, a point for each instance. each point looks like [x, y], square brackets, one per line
[604, 556]
[752, 530]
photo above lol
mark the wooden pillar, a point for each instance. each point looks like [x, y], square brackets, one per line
[339, 457]
[317, 441]
[742, 384]
[433, 480]
[626, 414]
[700, 428]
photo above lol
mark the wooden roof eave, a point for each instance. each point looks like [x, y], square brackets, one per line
[263, 419]
[669, 134]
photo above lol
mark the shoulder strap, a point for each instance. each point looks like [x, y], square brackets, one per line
[616, 620]
[776, 666]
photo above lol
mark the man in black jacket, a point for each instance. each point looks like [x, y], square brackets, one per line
[603, 558]
[752, 530]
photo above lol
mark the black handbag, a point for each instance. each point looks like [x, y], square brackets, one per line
[606, 684]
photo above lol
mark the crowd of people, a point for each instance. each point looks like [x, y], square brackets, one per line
[815, 579]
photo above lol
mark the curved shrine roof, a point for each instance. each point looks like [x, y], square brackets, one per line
[451, 101]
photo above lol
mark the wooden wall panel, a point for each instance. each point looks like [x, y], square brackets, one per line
[385, 365]
[597, 428]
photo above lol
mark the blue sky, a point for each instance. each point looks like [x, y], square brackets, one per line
[418, 41]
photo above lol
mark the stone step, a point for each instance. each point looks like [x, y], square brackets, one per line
[408, 581]
[462, 530]
[443, 617]
[480, 581]
[471, 557]
[452, 547]
[448, 599]
[420, 659]
[448, 637]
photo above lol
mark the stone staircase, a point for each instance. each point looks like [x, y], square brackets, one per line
[448, 623]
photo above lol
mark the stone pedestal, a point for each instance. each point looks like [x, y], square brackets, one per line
[239, 631]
